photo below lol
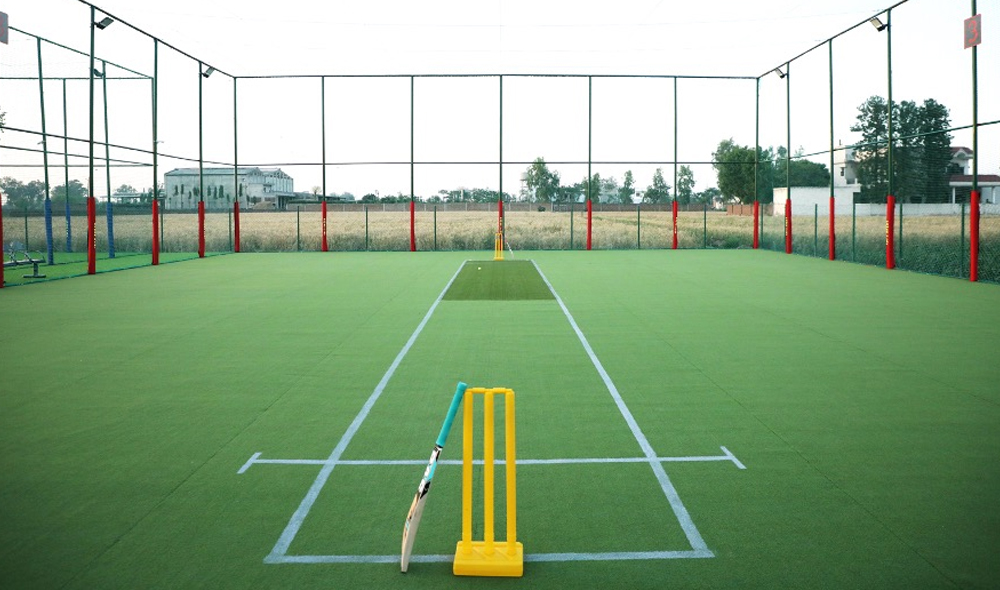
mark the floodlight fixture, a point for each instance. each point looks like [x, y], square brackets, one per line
[780, 73]
[877, 23]
[208, 72]
[104, 23]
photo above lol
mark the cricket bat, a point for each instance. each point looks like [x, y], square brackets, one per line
[417, 507]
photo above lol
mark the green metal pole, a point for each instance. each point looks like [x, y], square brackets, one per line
[833, 217]
[322, 116]
[788, 130]
[975, 110]
[201, 138]
[90, 161]
[411, 139]
[45, 160]
[900, 240]
[435, 227]
[107, 159]
[756, 142]
[69, 224]
[156, 137]
[675, 138]
[236, 146]
[366, 227]
[500, 172]
[638, 226]
[590, 135]
[298, 228]
[888, 41]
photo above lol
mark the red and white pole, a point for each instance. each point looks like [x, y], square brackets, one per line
[156, 232]
[974, 237]
[236, 226]
[890, 232]
[673, 209]
[91, 236]
[324, 246]
[788, 226]
[590, 222]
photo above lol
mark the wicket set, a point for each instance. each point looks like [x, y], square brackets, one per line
[498, 247]
[488, 557]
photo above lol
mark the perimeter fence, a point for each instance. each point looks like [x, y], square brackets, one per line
[418, 162]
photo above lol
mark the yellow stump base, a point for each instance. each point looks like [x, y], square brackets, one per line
[500, 563]
[498, 247]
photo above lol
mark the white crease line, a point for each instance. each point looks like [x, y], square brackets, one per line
[683, 517]
[571, 461]
[295, 523]
[531, 557]
[249, 462]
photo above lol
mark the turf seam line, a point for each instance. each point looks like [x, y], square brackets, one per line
[295, 523]
[683, 517]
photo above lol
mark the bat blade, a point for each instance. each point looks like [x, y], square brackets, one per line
[410, 529]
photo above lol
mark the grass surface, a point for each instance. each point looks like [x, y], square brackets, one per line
[498, 281]
[863, 403]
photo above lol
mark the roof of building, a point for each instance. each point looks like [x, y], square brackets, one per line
[956, 149]
[243, 171]
[983, 178]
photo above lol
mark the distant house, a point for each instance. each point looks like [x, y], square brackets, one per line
[845, 174]
[255, 187]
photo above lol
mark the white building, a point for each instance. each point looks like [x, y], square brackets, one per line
[845, 174]
[256, 187]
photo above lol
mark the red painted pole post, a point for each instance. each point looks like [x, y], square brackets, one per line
[156, 232]
[236, 226]
[590, 223]
[833, 232]
[413, 235]
[673, 209]
[974, 237]
[890, 232]
[201, 229]
[324, 246]
[91, 236]
[756, 225]
[788, 226]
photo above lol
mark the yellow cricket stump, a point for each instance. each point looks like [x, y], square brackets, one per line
[488, 557]
[498, 247]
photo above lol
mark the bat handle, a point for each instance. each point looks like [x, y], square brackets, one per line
[452, 411]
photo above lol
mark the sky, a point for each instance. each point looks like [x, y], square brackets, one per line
[281, 121]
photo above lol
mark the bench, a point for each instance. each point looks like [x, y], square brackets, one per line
[16, 254]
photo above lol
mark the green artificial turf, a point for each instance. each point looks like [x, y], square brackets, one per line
[862, 402]
[505, 280]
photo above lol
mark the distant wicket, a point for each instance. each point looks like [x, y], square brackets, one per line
[485, 558]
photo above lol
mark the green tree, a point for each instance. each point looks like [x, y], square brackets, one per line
[921, 150]
[541, 185]
[685, 185]
[659, 191]
[77, 193]
[734, 166]
[125, 189]
[935, 152]
[627, 190]
[20, 195]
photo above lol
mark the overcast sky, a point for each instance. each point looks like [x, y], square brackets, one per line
[458, 119]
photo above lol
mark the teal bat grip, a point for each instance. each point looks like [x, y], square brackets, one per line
[455, 403]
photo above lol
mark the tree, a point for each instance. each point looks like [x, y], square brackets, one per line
[659, 191]
[20, 195]
[126, 189]
[541, 184]
[685, 184]
[707, 196]
[627, 190]
[936, 151]
[369, 198]
[921, 150]
[77, 193]
[734, 165]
